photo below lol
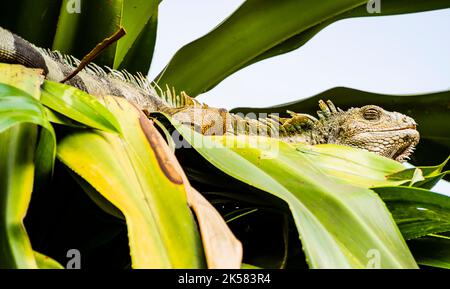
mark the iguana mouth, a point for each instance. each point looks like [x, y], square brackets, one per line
[397, 144]
[410, 140]
[403, 153]
[411, 126]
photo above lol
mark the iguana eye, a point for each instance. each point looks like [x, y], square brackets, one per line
[371, 114]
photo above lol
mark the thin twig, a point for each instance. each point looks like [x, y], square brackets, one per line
[95, 52]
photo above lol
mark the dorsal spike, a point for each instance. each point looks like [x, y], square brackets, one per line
[275, 117]
[331, 106]
[324, 108]
[320, 114]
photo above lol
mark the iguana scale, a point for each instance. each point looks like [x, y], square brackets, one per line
[390, 134]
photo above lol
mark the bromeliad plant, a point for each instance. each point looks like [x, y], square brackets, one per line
[97, 174]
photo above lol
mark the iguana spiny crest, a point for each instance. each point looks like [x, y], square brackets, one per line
[390, 134]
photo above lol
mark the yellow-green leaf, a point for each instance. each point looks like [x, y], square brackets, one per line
[132, 173]
[17, 153]
[340, 226]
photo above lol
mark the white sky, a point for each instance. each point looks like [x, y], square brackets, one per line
[400, 54]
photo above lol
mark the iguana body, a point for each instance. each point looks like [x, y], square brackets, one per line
[390, 134]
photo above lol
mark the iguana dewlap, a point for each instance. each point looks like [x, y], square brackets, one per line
[390, 134]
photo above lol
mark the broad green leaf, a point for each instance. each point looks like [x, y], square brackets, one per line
[18, 106]
[421, 177]
[45, 262]
[136, 14]
[352, 166]
[263, 28]
[417, 211]
[140, 55]
[412, 175]
[430, 182]
[16, 184]
[361, 168]
[75, 34]
[426, 171]
[432, 250]
[58, 118]
[45, 158]
[364, 224]
[132, 174]
[18, 137]
[426, 109]
[431, 171]
[97, 198]
[79, 106]
[248, 266]
[83, 24]
[41, 19]
[239, 39]
[388, 7]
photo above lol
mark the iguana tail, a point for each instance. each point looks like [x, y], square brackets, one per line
[14, 49]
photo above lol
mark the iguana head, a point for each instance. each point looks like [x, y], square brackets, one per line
[390, 134]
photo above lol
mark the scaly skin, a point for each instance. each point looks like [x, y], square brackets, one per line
[390, 134]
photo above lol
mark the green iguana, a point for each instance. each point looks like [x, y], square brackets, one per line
[390, 134]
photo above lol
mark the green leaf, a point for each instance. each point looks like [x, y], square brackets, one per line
[16, 184]
[18, 107]
[140, 55]
[412, 176]
[79, 106]
[389, 7]
[248, 266]
[364, 224]
[58, 118]
[351, 165]
[78, 33]
[45, 262]
[97, 198]
[41, 19]
[417, 211]
[45, 158]
[75, 34]
[406, 174]
[20, 111]
[426, 109]
[425, 177]
[137, 17]
[425, 172]
[430, 182]
[430, 171]
[263, 28]
[432, 250]
[130, 172]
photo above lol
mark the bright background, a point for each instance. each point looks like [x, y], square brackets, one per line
[401, 54]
